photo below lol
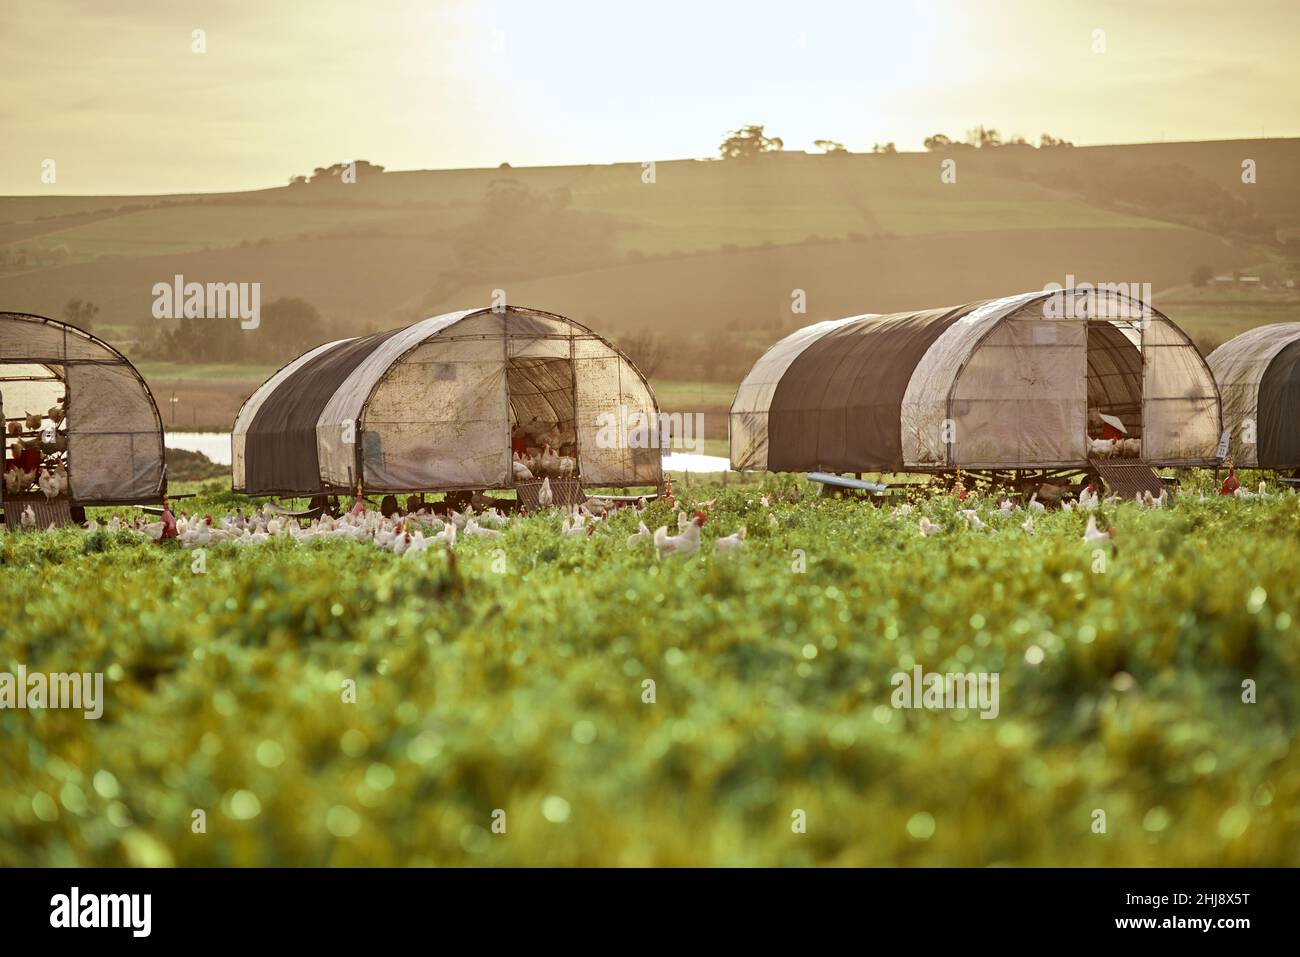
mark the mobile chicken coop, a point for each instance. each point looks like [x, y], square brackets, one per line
[1259, 379]
[80, 425]
[444, 405]
[1022, 388]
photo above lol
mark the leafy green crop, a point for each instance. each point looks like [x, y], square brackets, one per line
[522, 689]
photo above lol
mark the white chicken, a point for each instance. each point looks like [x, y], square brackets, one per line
[928, 527]
[196, 534]
[417, 544]
[1088, 499]
[1035, 505]
[642, 534]
[18, 481]
[1028, 524]
[447, 536]
[474, 530]
[522, 472]
[548, 463]
[574, 524]
[552, 463]
[1101, 448]
[1093, 534]
[973, 518]
[731, 543]
[49, 485]
[28, 519]
[545, 497]
[685, 544]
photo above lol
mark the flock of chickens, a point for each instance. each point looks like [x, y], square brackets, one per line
[403, 535]
[1088, 501]
[1116, 448]
[545, 462]
[39, 452]
[412, 533]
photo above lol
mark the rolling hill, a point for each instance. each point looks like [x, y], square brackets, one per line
[703, 254]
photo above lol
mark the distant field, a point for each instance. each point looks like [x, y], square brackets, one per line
[1211, 326]
[693, 395]
[365, 279]
[208, 371]
[751, 290]
[184, 229]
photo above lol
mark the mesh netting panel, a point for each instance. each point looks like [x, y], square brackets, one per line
[439, 419]
[1180, 402]
[115, 448]
[617, 419]
[1021, 398]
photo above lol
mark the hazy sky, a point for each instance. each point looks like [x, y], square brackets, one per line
[112, 91]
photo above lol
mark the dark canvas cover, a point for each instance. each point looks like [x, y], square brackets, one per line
[280, 450]
[837, 407]
[1279, 411]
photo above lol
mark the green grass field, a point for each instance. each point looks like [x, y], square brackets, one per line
[515, 681]
[208, 371]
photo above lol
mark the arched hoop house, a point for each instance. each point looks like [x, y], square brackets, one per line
[98, 422]
[434, 406]
[1033, 381]
[1259, 379]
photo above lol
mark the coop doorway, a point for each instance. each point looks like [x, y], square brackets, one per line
[33, 409]
[1114, 389]
[543, 405]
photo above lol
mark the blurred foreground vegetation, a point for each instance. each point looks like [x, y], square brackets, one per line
[523, 690]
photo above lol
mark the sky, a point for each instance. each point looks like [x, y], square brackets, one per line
[116, 94]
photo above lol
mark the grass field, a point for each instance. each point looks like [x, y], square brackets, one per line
[516, 682]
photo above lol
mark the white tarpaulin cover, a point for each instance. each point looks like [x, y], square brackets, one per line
[115, 450]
